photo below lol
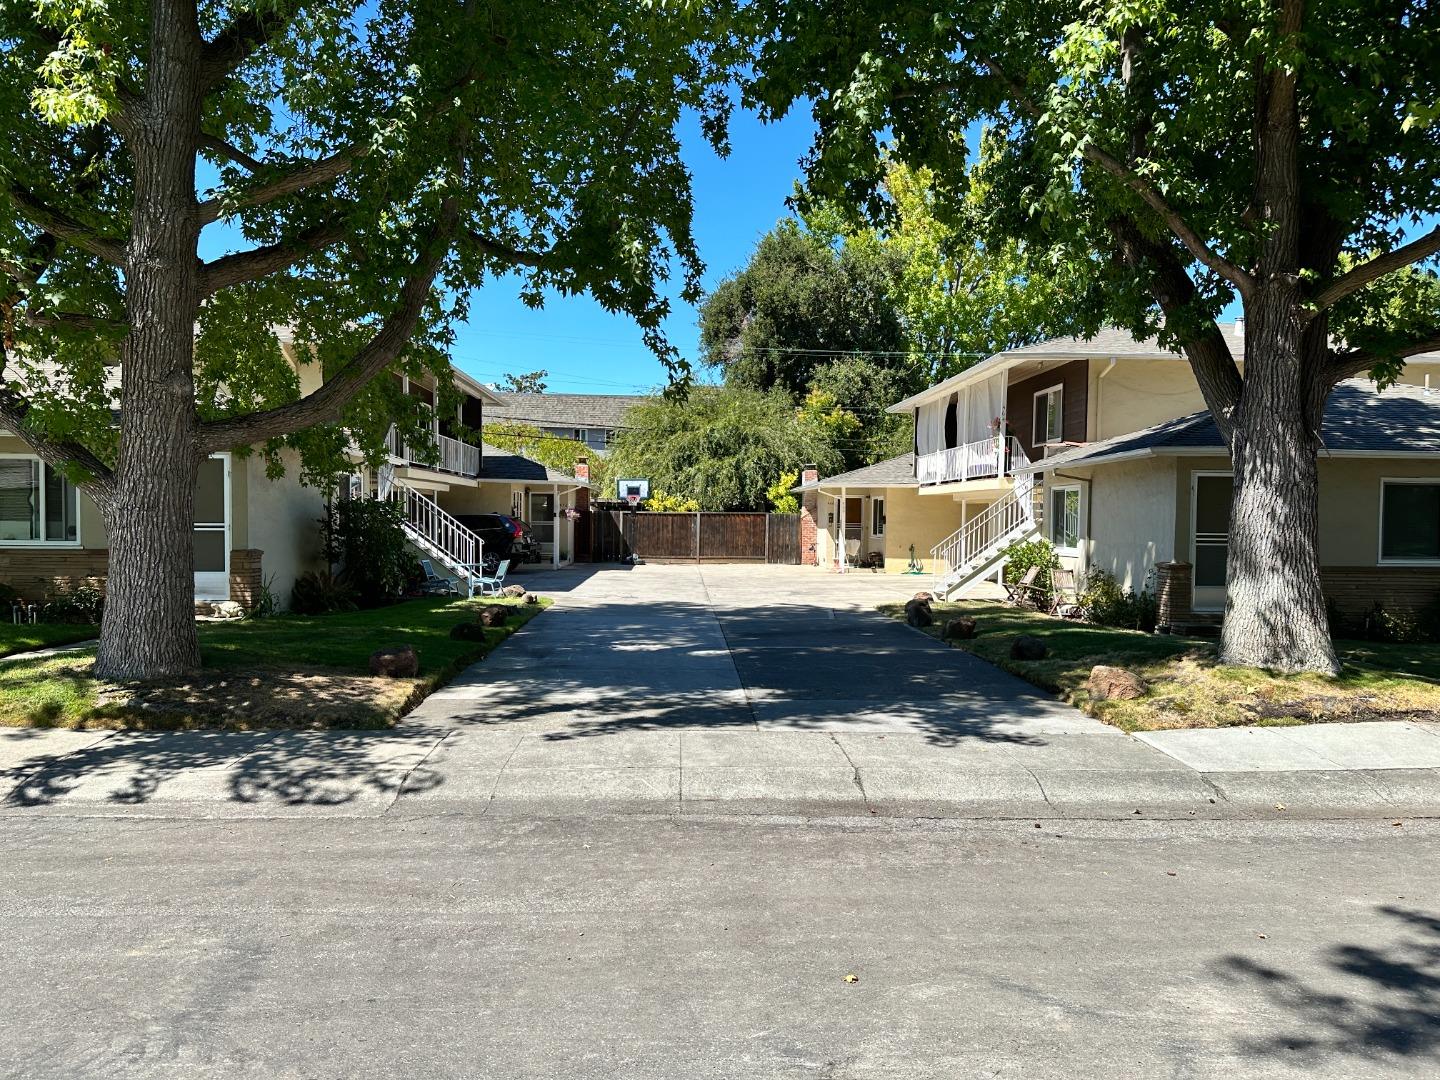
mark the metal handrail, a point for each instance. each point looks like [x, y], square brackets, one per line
[460, 548]
[976, 460]
[978, 539]
[454, 456]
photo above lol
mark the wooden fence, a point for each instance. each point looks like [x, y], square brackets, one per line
[700, 537]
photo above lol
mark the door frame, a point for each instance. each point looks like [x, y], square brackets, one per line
[214, 584]
[1213, 598]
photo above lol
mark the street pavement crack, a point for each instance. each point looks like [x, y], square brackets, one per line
[855, 769]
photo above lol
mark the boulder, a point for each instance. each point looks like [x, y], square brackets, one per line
[929, 598]
[917, 612]
[513, 590]
[1114, 683]
[228, 609]
[468, 631]
[961, 629]
[1028, 647]
[532, 598]
[493, 615]
[396, 662]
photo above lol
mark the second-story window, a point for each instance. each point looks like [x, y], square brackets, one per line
[1048, 416]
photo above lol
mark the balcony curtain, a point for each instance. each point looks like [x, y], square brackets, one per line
[930, 427]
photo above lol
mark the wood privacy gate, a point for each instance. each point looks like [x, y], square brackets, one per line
[699, 537]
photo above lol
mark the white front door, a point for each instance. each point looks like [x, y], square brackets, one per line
[212, 529]
[1210, 538]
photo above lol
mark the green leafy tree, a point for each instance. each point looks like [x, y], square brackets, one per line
[782, 498]
[661, 502]
[720, 445]
[1173, 158]
[799, 302]
[373, 165]
[529, 382]
[552, 451]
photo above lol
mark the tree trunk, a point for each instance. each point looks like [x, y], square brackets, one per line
[1274, 609]
[149, 627]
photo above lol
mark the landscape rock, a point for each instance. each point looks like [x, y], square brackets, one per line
[493, 615]
[468, 631]
[396, 662]
[1117, 684]
[1028, 647]
[961, 629]
[532, 598]
[513, 590]
[228, 609]
[929, 598]
[918, 613]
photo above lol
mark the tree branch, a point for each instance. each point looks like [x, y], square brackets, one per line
[1359, 276]
[1347, 365]
[315, 172]
[1148, 193]
[243, 266]
[74, 320]
[506, 253]
[229, 151]
[237, 42]
[328, 402]
[57, 453]
[64, 226]
[1206, 348]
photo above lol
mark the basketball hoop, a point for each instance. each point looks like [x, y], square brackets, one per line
[633, 500]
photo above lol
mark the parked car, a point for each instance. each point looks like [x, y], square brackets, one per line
[505, 537]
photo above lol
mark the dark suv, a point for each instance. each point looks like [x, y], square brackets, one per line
[505, 537]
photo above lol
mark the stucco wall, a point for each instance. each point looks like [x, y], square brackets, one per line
[282, 519]
[1138, 394]
[1128, 516]
[484, 499]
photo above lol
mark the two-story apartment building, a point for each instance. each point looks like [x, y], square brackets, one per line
[1104, 447]
[591, 419]
[250, 529]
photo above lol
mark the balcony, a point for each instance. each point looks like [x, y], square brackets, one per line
[455, 456]
[981, 460]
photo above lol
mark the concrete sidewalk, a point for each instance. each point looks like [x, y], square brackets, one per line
[670, 689]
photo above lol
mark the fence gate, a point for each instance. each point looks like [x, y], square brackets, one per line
[698, 537]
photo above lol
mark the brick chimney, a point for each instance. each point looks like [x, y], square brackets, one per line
[809, 511]
[582, 469]
[582, 473]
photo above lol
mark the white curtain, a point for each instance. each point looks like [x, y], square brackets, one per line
[930, 427]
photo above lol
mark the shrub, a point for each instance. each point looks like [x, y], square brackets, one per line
[320, 593]
[9, 597]
[664, 503]
[365, 538]
[1403, 627]
[80, 605]
[1107, 604]
[1023, 554]
[265, 602]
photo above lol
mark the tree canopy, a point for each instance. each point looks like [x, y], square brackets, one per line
[724, 446]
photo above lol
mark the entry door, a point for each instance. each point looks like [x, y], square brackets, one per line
[1210, 538]
[854, 519]
[542, 519]
[211, 534]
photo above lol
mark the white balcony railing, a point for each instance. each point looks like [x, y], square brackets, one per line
[454, 456]
[973, 461]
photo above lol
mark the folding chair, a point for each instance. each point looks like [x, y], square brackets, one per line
[1025, 593]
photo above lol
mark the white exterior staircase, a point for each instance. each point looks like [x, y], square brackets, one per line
[976, 550]
[437, 533]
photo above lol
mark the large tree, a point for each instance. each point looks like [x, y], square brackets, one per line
[373, 164]
[1181, 156]
[723, 446]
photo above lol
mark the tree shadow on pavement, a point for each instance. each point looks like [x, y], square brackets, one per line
[1392, 1012]
[290, 769]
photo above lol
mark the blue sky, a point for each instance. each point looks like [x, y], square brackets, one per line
[587, 350]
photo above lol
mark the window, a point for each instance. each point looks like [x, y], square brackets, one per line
[37, 504]
[1048, 417]
[1065, 518]
[1410, 521]
[877, 517]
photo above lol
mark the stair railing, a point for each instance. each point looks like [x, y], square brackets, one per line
[457, 546]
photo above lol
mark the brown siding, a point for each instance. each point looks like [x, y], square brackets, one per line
[36, 573]
[1020, 402]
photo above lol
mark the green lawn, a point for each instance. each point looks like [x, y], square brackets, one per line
[284, 671]
[27, 636]
[1187, 687]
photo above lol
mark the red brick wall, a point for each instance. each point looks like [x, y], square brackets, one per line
[809, 510]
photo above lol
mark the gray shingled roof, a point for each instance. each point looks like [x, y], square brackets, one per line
[1404, 419]
[563, 410]
[893, 472]
[497, 464]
